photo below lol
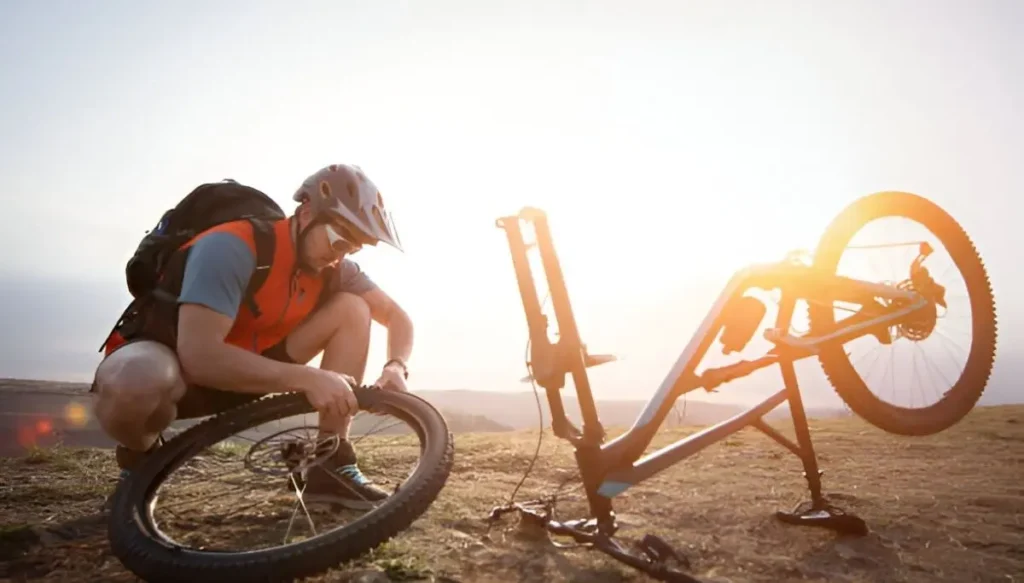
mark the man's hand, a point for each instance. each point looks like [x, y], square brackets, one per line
[392, 378]
[330, 392]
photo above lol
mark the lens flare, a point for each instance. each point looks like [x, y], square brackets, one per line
[44, 427]
[76, 415]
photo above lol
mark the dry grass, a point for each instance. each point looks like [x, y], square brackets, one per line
[942, 508]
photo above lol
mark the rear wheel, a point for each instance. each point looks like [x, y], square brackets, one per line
[965, 387]
[143, 544]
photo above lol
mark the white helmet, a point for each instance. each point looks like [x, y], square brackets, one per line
[343, 191]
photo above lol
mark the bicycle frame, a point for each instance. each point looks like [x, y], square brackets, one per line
[608, 469]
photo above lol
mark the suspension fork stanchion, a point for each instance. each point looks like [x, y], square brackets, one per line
[524, 277]
[545, 365]
[570, 345]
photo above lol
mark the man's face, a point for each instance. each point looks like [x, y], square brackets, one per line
[326, 244]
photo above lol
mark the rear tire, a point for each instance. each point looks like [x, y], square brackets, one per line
[835, 363]
[138, 543]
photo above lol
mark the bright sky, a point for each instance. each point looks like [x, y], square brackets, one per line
[671, 143]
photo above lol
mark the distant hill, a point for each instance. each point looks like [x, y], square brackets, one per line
[519, 409]
[462, 422]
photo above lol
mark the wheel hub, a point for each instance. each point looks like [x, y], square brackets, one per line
[298, 454]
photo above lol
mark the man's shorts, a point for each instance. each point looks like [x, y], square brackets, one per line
[201, 401]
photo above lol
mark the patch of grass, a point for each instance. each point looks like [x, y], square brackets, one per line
[949, 507]
[38, 455]
[404, 569]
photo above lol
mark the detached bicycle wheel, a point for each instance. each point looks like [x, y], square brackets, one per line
[206, 533]
[947, 350]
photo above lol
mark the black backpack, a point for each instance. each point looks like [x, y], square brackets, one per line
[207, 206]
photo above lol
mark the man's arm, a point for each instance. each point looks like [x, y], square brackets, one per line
[383, 309]
[386, 312]
[216, 275]
[209, 361]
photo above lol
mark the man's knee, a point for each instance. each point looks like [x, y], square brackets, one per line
[138, 377]
[348, 310]
[342, 315]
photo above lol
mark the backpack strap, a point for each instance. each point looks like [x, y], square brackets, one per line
[265, 240]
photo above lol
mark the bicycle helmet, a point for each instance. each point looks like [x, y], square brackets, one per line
[344, 191]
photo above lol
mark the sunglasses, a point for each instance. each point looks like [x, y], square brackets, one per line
[339, 242]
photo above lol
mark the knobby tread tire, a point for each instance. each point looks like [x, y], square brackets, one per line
[135, 544]
[835, 363]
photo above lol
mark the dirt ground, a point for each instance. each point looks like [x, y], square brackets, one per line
[944, 508]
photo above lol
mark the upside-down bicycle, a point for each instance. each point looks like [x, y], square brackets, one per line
[229, 445]
[907, 309]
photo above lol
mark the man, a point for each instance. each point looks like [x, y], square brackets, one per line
[314, 299]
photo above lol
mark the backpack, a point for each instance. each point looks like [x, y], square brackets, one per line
[208, 205]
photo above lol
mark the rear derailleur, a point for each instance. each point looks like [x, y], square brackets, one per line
[651, 555]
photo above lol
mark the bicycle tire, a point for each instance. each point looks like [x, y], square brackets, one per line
[133, 537]
[834, 361]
